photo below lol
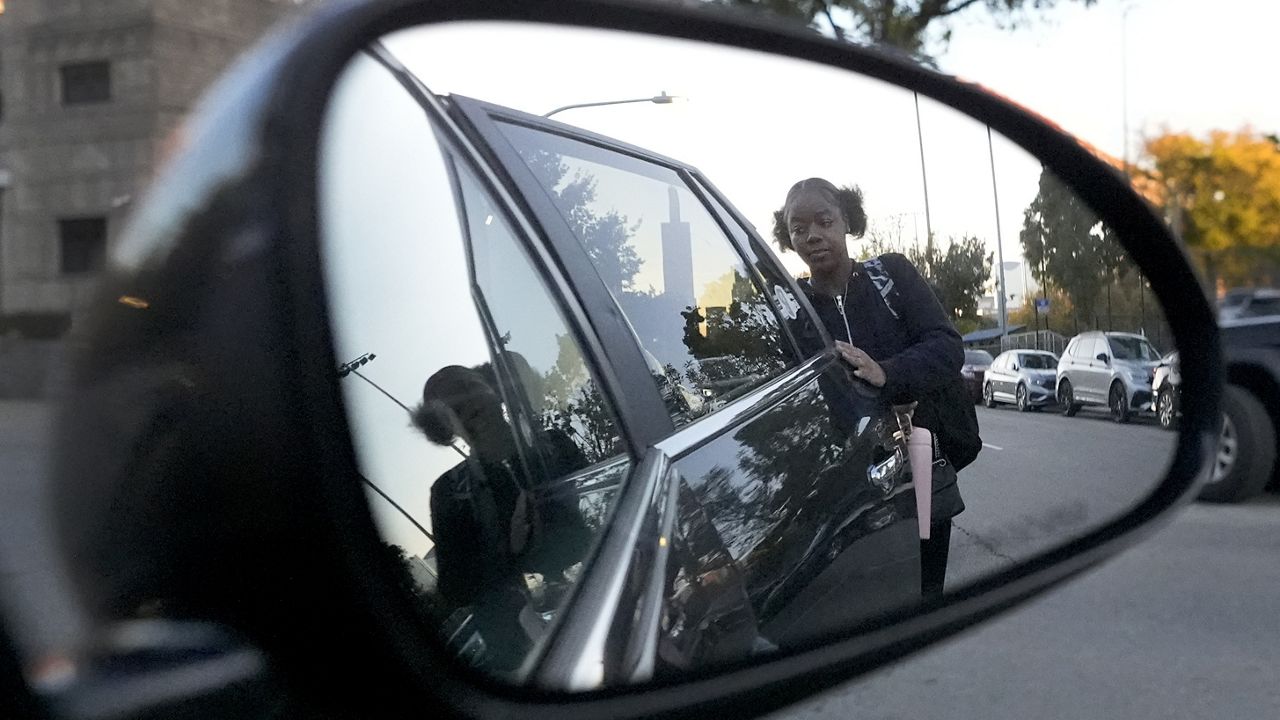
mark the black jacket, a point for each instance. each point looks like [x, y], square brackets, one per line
[920, 350]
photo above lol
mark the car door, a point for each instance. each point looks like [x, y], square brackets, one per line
[790, 513]
[1000, 374]
[1083, 369]
[1099, 370]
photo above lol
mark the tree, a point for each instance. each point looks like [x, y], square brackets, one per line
[1067, 246]
[1222, 194]
[903, 24]
[574, 405]
[957, 275]
[606, 236]
[884, 236]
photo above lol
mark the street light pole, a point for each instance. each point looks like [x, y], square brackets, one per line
[661, 99]
[995, 195]
[1124, 110]
[349, 368]
[1124, 84]
[924, 177]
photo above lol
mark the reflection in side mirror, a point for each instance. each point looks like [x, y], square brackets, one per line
[784, 509]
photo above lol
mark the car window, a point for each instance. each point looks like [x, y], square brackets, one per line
[977, 357]
[706, 327]
[1037, 362]
[490, 456]
[1131, 348]
[1086, 348]
[1262, 306]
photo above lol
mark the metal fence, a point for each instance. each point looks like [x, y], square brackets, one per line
[1041, 340]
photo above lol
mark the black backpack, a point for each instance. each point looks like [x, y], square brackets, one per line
[957, 431]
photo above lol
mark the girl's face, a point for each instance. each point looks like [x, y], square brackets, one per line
[818, 230]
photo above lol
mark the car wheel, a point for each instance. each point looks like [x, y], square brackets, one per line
[988, 395]
[1118, 401]
[1067, 399]
[1165, 409]
[1024, 402]
[1246, 449]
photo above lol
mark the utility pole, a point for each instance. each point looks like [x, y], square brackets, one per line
[1004, 318]
[924, 177]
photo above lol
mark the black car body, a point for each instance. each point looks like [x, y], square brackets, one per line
[1246, 461]
[784, 482]
[976, 363]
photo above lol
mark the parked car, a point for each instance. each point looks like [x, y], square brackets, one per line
[1165, 402]
[974, 371]
[1111, 369]
[1246, 461]
[1026, 378]
[1249, 303]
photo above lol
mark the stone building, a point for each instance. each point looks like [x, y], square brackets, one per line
[89, 90]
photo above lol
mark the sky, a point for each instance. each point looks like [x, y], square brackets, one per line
[1191, 66]
[754, 124]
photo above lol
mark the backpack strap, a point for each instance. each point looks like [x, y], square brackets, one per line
[884, 283]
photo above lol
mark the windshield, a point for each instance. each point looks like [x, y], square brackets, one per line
[1131, 348]
[977, 357]
[1262, 307]
[1038, 362]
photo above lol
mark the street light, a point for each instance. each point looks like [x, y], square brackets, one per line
[349, 368]
[661, 99]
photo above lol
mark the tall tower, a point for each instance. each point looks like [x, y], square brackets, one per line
[677, 256]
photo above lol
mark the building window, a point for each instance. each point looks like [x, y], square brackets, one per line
[84, 244]
[86, 82]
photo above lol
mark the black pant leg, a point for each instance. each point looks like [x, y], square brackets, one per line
[933, 558]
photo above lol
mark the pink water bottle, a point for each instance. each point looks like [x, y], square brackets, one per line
[920, 454]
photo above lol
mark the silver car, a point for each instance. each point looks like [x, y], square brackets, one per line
[1026, 378]
[1113, 369]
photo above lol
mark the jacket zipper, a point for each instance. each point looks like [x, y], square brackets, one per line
[840, 306]
[848, 334]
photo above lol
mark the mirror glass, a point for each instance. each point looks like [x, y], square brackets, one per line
[480, 260]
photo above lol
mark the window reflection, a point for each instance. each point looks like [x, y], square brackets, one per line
[491, 457]
[707, 329]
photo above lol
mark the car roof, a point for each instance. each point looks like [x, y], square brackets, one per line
[1264, 294]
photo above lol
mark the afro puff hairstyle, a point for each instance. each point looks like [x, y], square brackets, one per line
[847, 198]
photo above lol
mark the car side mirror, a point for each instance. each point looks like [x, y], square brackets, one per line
[222, 460]
[1015, 367]
[1104, 358]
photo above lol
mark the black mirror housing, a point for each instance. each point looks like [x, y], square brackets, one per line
[224, 393]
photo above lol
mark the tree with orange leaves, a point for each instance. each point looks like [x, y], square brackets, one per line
[1222, 194]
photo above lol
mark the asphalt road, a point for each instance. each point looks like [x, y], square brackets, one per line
[1043, 479]
[1184, 625]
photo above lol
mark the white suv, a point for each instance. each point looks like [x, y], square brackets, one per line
[1112, 369]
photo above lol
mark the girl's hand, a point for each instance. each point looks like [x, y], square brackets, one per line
[864, 367]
